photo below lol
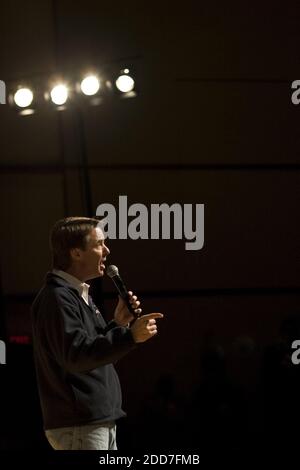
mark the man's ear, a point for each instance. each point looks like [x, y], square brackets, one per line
[75, 254]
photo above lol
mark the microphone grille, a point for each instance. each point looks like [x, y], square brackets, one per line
[112, 271]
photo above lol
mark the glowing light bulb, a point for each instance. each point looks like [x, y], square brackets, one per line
[125, 83]
[90, 85]
[59, 94]
[23, 97]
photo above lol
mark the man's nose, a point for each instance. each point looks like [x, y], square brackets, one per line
[106, 250]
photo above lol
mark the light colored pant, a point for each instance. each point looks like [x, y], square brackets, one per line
[86, 437]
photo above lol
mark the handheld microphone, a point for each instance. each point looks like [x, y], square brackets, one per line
[113, 272]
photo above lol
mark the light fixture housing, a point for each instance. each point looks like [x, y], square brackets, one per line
[61, 92]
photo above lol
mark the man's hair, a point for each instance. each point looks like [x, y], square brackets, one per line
[68, 233]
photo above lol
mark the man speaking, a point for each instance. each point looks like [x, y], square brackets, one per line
[74, 348]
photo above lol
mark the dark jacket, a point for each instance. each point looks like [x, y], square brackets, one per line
[74, 351]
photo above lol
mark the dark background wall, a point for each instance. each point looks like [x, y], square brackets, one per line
[213, 123]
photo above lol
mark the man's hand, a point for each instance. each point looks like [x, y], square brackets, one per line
[122, 315]
[145, 327]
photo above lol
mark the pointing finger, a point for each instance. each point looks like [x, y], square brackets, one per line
[149, 316]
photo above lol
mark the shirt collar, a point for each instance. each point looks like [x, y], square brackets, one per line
[81, 287]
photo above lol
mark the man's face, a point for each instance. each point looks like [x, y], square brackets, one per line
[91, 260]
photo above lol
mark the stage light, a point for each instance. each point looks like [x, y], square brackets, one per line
[125, 82]
[59, 94]
[23, 100]
[93, 88]
[23, 97]
[90, 85]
